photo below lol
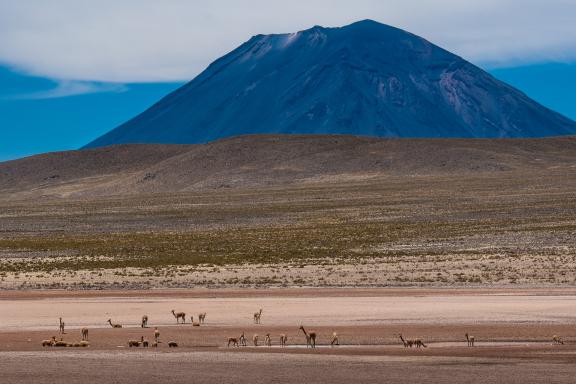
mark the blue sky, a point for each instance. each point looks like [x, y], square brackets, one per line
[34, 120]
[71, 70]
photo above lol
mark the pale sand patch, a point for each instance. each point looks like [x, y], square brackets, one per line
[287, 311]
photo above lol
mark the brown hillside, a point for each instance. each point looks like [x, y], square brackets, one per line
[253, 161]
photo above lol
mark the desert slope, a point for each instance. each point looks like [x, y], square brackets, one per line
[253, 161]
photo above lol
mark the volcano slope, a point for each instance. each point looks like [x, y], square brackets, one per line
[365, 78]
[292, 211]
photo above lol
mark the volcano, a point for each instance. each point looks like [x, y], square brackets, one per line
[364, 79]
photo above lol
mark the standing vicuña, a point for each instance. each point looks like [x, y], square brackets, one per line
[178, 316]
[257, 316]
[310, 337]
[406, 343]
[470, 340]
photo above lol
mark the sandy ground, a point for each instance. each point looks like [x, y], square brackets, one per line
[513, 329]
[93, 312]
[267, 368]
[198, 367]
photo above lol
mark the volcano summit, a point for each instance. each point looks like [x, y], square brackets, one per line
[366, 79]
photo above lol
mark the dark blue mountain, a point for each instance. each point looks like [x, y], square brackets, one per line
[366, 78]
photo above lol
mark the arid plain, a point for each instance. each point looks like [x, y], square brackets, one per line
[431, 239]
[513, 330]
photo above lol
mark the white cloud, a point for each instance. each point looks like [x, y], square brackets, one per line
[65, 88]
[173, 40]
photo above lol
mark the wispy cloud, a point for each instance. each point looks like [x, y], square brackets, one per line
[65, 88]
[173, 40]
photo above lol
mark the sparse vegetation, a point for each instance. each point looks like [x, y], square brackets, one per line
[481, 229]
